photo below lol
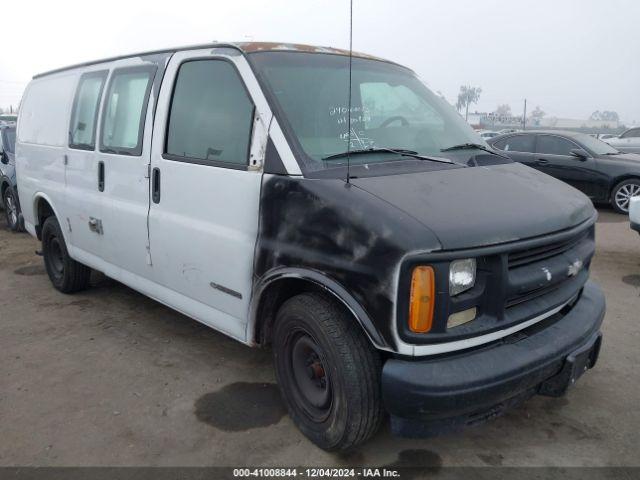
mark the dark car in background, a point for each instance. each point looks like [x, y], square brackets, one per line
[8, 187]
[600, 171]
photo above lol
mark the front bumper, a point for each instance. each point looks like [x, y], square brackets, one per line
[448, 392]
[635, 226]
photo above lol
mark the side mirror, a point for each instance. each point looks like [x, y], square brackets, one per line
[580, 153]
[4, 158]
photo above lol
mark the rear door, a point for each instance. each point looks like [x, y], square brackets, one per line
[210, 130]
[553, 156]
[520, 148]
[82, 193]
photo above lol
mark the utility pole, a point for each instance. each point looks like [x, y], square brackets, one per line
[524, 116]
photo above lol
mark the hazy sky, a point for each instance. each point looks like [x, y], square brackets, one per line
[571, 57]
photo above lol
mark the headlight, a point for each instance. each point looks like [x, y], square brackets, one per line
[462, 275]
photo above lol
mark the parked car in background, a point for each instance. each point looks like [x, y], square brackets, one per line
[386, 270]
[508, 130]
[8, 188]
[6, 118]
[629, 141]
[486, 134]
[606, 136]
[597, 169]
[634, 213]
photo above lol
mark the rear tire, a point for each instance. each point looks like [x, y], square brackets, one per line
[65, 273]
[622, 193]
[328, 372]
[11, 209]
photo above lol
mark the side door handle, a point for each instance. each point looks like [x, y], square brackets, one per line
[542, 161]
[155, 185]
[101, 176]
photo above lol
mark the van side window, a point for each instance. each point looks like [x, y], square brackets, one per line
[82, 130]
[211, 116]
[125, 110]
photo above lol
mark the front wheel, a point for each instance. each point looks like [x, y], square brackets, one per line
[328, 372]
[11, 209]
[65, 273]
[622, 193]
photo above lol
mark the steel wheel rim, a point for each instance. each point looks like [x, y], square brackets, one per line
[12, 210]
[624, 194]
[55, 257]
[310, 377]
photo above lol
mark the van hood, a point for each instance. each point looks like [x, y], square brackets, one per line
[480, 206]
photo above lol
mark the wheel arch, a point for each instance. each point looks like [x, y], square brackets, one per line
[621, 178]
[282, 284]
[42, 209]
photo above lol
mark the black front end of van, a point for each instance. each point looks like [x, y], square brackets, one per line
[530, 322]
[534, 297]
[448, 392]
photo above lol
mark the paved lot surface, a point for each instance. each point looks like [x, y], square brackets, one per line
[110, 377]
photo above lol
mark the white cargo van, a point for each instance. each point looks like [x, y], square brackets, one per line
[413, 270]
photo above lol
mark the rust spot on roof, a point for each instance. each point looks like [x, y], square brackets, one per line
[250, 47]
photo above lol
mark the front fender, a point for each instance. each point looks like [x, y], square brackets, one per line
[326, 283]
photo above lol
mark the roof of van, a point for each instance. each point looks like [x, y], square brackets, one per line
[244, 47]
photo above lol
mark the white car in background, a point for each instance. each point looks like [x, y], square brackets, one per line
[634, 213]
[605, 137]
[487, 134]
[627, 142]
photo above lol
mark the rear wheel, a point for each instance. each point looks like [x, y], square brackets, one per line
[11, 209]
[622, 193]
[328, 372]
[65, 273]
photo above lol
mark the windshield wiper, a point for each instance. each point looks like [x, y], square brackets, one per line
[396, 151]
[471, 146]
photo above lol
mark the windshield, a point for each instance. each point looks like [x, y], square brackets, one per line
[9, 140]
[390, 108]
[596, 146]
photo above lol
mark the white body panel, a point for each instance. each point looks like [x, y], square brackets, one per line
[41, 143]
[125, 199]
[81, 193]
[203, 230]
[179, 251]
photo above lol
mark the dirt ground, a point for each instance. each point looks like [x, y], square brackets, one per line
[110, 377]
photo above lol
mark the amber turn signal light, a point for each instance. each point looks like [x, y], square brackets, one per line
[421, 301]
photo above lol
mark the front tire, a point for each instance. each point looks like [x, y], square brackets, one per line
[328, 372]
[622, 193]
[11, 209]
[65, 273]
